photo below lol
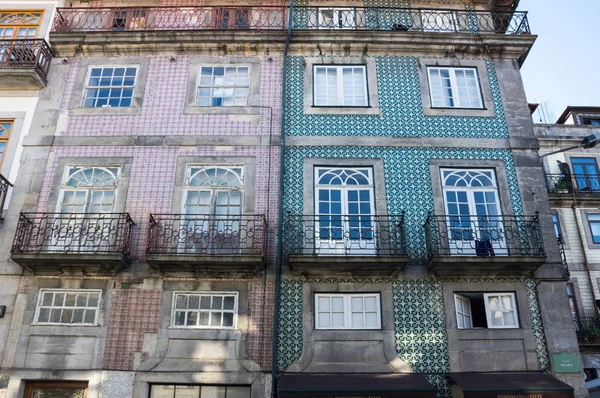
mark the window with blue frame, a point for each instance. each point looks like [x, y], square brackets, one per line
[586, 174]
[110, 86]
[344, 203]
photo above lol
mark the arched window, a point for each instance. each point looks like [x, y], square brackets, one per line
[214, 190]
[19, 25]
[89, 190]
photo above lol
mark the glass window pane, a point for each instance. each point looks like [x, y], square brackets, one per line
[338, 320]
[337, 303]
[323, 304]
[90, 316]
[238, 392]
[357, 304]
[357, 320]
[324, 320]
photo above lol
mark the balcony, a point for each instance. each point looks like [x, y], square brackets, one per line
[345, 245]
[582, 187]
[490, 246]
[24, 63]
[588, 334]
[409, 20]
[4, 186]
[132, 19]
[207, 245]
[60, 243]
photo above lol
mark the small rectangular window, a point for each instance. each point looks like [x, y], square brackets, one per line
[340, 85]
[486, 310]
[70, 307]
[556, 222]
[110, 86]
[223, 85]
[347, 311]
[204, 310]
[594, 221]
[5, 129]
[336, 18]
[454, 87]
[196, 391]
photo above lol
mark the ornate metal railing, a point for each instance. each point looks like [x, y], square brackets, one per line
[72, 233]
[211, 235]
[409, 19]
[4, 185]
[588, 330]
[345, 235]
[169, 18]
[273, 18]
[26, 53]
[483, 236]
[573, 183]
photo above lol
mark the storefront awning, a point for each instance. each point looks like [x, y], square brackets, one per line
[509, 385]
[354, 386]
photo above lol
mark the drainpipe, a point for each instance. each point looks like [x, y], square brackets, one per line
[275, 346]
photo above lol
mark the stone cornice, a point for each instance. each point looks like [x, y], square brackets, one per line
[312, 42]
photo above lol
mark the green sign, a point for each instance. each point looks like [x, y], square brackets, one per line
[566, 363]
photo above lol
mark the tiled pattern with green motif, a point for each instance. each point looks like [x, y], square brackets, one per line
[407, 181]
[401, 108]
[419, 325]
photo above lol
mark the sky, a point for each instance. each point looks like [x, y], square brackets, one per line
[563, 68]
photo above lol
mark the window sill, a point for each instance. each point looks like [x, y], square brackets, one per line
[341, 110]
[470, 112]
[201, 328]
[130, 110]
[87, 325]
[221, 110]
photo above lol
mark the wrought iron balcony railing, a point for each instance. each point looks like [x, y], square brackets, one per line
[409, 19]
[573, 183]
[484, 236]
[26, 53]
[73, 233]
[275, 18]
[588, 330]
[207, 235]
[169, 18]
[345, 235]
[4, 185]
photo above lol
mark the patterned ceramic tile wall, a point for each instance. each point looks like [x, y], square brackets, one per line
[133, 312]
[407, 181]
[163, 105]
[401, 108]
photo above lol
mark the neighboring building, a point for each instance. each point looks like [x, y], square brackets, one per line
[412, 186]
[573, 183]
[142, 260]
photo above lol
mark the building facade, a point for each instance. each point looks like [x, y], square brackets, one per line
[572, 183]
[273, 199]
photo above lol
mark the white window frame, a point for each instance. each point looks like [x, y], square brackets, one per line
[340, 85]
[488, 312]
[338, 15]
[86, 86]
[204, 293]
[467, 314]
[454, 87]
[222, 87]
[65, 291]
[347, 297]
[87, 189]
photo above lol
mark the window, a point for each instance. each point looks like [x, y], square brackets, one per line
[5, 129]
[89, 190]
[556, 222]
[72, 307]
[486, 310]
[472, 210]
[340, 85]
[19, 24]
[231, 18]
[63, 389]
[594, 221]
[586, 174]
[454, 87]
[336, 18]
[225, 85]
[204, 310]
[183, 391]
[110, 87]
[344, 210]
[591, 121]
[573, 304]
[347, 311]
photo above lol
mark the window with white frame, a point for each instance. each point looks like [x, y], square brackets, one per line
[88, 189]
[204, 310]
[347, 311]
[198, 391]
[340, 85]
[454, 87]
[486, 310]
[70, 307]
[223, 85]
[109, 86]
[336, 18]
